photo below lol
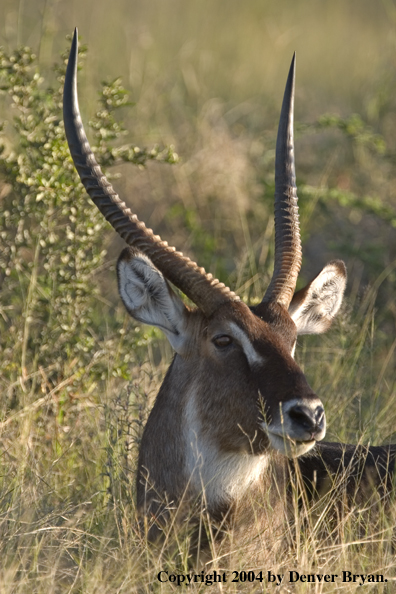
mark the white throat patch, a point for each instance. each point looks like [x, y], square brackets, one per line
[221, 476]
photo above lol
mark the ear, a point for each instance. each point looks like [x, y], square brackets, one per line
[149, 299]
[313, 308]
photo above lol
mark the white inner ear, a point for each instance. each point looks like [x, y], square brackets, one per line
[314, 307]
[149, 299]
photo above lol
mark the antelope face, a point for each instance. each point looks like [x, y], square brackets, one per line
[237, 364]
[258, 394]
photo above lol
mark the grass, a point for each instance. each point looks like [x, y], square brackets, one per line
[68, 519]
[208, 78]
[68, 522]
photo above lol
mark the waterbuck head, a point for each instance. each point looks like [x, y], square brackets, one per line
[233, 392]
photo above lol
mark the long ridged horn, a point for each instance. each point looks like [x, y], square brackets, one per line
[287, 228]
[204, 290]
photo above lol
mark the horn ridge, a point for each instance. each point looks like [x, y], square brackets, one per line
[204, 290]
[288, 254]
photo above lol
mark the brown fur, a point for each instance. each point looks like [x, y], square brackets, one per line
[229, 408]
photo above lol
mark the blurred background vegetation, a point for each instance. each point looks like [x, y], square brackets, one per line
[204, 82]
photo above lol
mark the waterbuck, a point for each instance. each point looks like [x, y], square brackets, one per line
[234, 404]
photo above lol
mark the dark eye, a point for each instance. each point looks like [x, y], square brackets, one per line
[221, 341]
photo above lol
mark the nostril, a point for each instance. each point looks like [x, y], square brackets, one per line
[303, 416]
[320, 416]
[310, 420]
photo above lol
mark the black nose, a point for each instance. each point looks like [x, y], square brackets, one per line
[312, 421]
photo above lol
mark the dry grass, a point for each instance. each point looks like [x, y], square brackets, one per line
[68, 519]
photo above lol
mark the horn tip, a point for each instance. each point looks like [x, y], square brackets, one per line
[75, 38]
[293, 67]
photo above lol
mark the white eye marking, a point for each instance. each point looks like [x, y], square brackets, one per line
[251, 354]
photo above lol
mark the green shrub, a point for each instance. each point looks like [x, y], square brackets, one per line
[52, 237]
